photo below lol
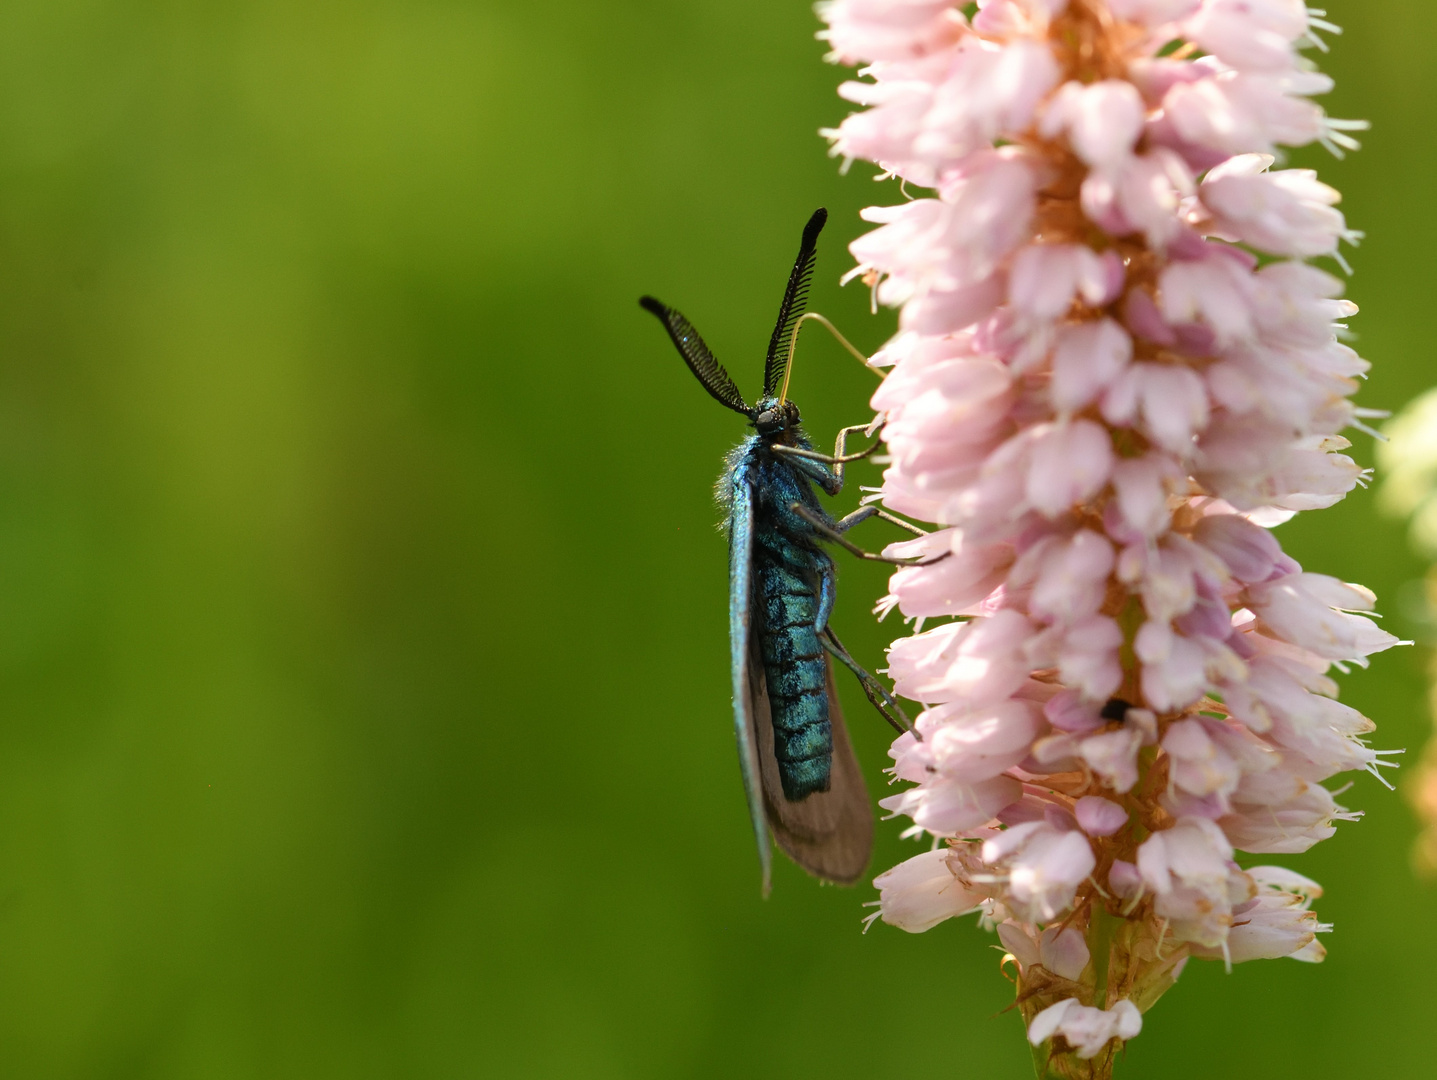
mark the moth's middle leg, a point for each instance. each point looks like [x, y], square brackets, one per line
[830, 532]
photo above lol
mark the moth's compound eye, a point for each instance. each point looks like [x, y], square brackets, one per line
[769, 421]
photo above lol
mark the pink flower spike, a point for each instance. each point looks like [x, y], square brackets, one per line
[1114, 374]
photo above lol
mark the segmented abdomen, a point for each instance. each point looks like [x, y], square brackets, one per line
[794, 665]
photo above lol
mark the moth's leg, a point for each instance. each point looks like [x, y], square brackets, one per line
[863, 513]
[828, 532]
[827, 593]
[877, 696]
[833, 484]
[838, 457]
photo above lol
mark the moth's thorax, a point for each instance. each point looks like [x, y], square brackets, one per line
[792, 436]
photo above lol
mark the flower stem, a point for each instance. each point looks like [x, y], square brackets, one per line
[1100, 944]
[1042, 1054]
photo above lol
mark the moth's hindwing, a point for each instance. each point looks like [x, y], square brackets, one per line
[829, 833]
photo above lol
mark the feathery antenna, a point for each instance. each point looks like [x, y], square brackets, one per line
[794, 298]
[696, 354]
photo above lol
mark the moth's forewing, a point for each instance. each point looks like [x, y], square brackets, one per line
[830, 833]
[741, 636]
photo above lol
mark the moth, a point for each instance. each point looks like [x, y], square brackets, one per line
[801, 778]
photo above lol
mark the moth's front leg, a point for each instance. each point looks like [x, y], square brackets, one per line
[832, 481]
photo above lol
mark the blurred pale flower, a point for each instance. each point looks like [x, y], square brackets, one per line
[1409, 470]
[1409, 489]
[1086, 1029]
[1113, 374]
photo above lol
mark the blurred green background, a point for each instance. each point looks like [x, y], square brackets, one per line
[362, 635]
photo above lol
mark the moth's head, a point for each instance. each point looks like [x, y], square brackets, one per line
[770, 417]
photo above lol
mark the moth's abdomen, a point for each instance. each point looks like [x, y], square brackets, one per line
[796, 673]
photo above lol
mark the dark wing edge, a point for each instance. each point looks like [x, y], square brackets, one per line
[795, 297]
[740, 635]
[696, 354]
[830, 833]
